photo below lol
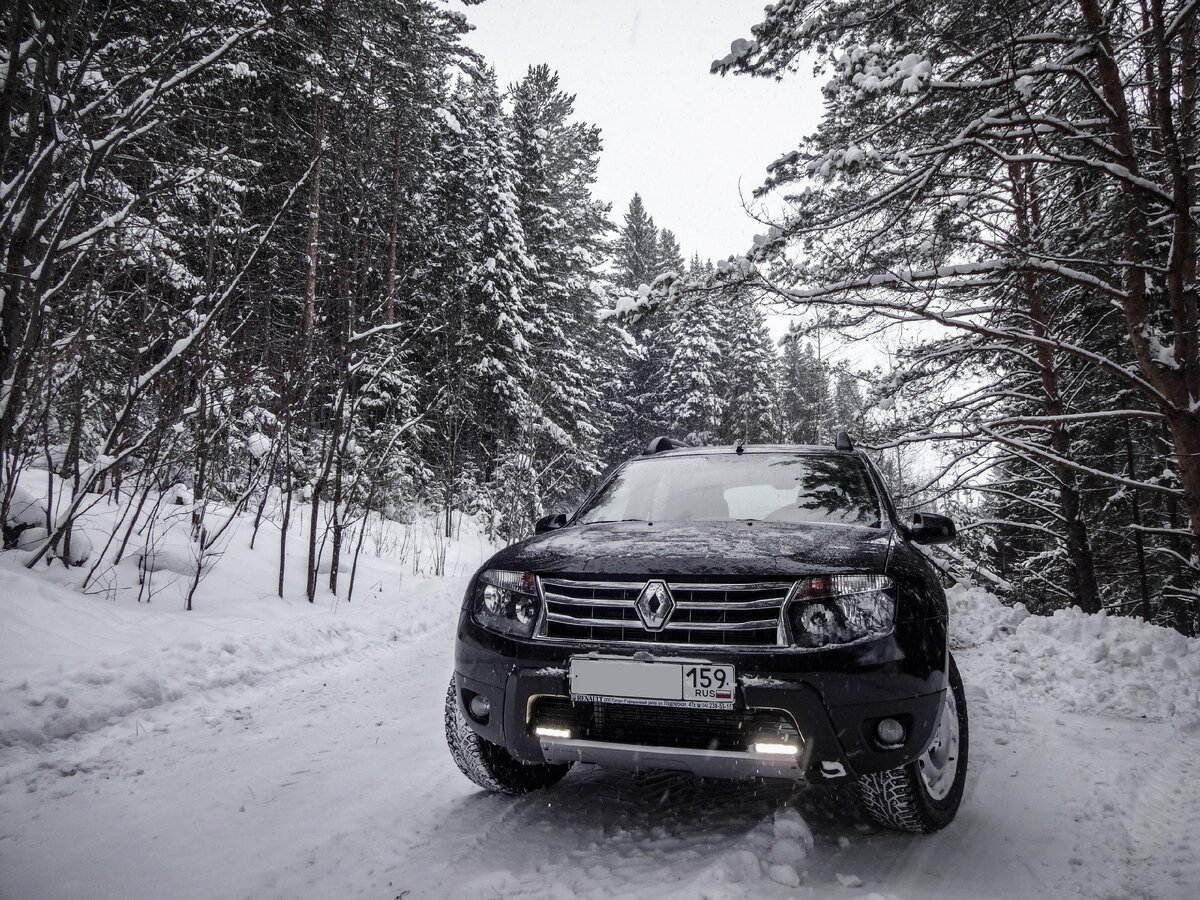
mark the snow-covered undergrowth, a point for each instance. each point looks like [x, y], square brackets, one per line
[1084, 663]
[73, 662]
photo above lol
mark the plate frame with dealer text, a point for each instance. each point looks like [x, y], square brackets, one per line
[678, 683]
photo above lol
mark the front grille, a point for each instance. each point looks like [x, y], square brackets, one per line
[707, 613]
[659, 726]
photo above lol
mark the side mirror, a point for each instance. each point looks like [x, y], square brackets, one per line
[550, 523]
[930, 528]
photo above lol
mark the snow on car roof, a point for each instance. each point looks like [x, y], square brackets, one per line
[746, 448]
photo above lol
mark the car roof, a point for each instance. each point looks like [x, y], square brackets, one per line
[721, 449]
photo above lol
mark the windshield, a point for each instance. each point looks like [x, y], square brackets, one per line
[770, 487]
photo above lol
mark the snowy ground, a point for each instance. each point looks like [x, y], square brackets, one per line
[274, 750]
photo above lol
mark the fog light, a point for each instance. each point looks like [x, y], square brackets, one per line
[547, 731]
[479, 707]
[889, 732]
[783, 749]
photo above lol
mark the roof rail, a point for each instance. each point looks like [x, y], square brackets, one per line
[661, 444]
[842, 441]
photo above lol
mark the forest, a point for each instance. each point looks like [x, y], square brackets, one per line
[312, 260]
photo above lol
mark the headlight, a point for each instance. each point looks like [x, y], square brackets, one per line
[506, 602]
[841, 609]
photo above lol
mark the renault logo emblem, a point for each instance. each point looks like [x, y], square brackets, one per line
[655, 605]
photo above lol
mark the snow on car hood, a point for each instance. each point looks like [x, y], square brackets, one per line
[700, 548]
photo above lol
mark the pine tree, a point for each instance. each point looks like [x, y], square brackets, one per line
[691, 403]
[563, 226]
[848, 402]
[669, 257]
[498, 299]
[637, 346]
[804, 395]
[748, 372]
[636, 251]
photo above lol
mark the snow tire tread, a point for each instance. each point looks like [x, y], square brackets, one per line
[897, 797]
[890, 800]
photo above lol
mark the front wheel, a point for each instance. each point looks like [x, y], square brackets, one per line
[924, 796]
[488, 765]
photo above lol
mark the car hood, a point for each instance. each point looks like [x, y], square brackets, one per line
[741, 548]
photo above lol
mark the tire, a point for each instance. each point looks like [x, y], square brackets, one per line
[924, 796]
[488, 765]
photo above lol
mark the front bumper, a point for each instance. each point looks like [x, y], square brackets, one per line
[641, 758]
[834, 697]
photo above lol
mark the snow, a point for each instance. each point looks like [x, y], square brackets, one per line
[260, 747]
[71, 664]
[868, 70]
[178, 495]
[915, 70]
[1091, 664]
[785, 875]
[28, 504]
[31, 538]
[738, 49]
[449, 120]
[258, 444]
[80, 549]
[1163, 354]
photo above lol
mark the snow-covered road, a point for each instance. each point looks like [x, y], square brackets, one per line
[332, 780]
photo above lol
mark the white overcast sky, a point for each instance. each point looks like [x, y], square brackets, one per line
[689, 142]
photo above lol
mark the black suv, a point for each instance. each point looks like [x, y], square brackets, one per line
[733, 612]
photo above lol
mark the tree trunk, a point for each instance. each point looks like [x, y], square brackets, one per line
[314, 518]
[312, 236]
[1185, 438]
[287, 498]
[1079, 551]
[201, 473]
[1179, 387]
[1139, 542]
[389, 306]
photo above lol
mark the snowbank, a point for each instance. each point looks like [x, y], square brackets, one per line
[1084, 663]
[75, 664]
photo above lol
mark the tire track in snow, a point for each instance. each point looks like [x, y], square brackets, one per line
[1164, 825]
[611, 834]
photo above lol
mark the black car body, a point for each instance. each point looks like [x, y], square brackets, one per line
[732, 584]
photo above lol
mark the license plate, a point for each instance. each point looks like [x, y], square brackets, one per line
[687, 683]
